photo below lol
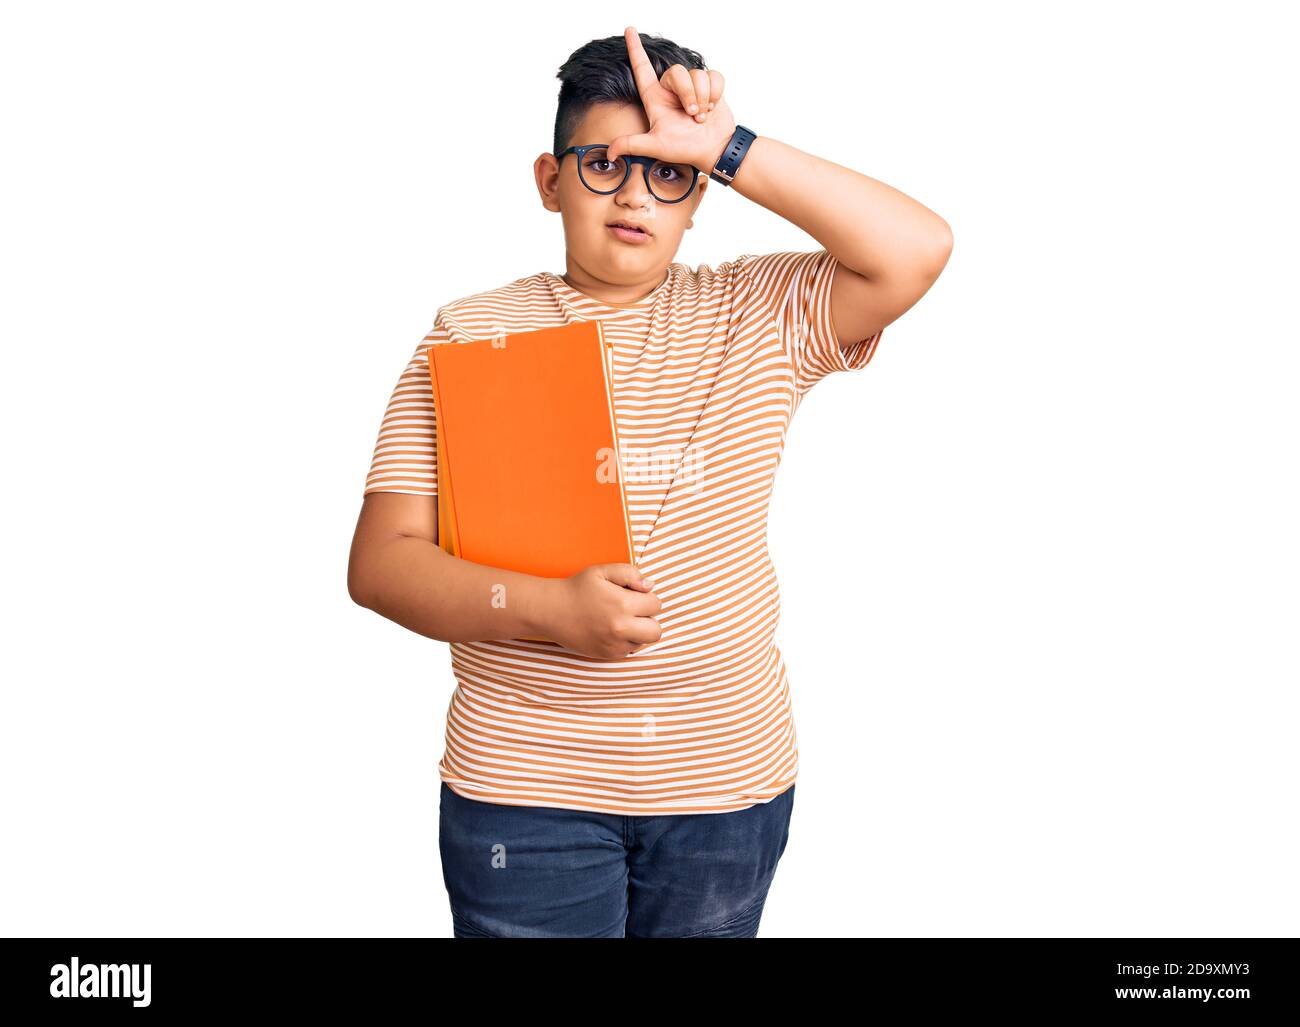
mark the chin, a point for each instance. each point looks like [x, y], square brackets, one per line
[632, 256]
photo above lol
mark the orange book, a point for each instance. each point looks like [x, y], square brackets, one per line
[530, 475]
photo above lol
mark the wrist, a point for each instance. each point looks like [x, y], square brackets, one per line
[732, 155]
[537, 610]
[710, 160]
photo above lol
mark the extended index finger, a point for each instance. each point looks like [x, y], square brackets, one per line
[643, 72]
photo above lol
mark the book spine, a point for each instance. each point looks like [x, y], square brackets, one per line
[446, 509]
[608, 362]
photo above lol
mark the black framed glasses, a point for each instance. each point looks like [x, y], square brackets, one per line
[667, 182]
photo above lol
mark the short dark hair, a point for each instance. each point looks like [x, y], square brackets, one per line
[599, 72]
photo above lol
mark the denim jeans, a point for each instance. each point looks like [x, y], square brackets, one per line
[546, 872]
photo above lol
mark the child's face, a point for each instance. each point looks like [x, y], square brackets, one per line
[591, 243]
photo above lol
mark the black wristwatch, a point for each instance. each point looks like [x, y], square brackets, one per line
[731, 157]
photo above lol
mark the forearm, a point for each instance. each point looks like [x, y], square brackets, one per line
[418, 585]
[870, 227]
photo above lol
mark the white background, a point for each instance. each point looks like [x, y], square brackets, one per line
[1038, 560]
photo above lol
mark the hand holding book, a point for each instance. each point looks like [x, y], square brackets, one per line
[606, 611]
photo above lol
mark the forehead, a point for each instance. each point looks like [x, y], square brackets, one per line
[604, 122]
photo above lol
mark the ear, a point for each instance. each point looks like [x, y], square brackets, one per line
[546, 172]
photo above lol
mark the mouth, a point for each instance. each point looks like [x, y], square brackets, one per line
[629, 231]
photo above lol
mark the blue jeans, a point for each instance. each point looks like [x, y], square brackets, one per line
[545, 872]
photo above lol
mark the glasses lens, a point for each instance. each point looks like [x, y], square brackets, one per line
[671, 182]
[599, 173]
[668, 182]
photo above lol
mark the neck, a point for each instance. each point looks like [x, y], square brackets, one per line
[612, 294]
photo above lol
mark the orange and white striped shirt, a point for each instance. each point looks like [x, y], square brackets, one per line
[708, 371]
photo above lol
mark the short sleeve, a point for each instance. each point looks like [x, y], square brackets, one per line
[793, 290]
[406, 453]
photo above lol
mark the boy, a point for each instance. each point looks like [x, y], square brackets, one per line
[635, 776]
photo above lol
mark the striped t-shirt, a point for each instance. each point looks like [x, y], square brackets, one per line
[708, 370]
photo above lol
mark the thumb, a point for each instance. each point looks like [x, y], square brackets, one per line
[625, 574]
[628, 144]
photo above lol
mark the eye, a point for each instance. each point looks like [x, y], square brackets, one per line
[596, 163]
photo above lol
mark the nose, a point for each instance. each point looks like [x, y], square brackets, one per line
[635, 192]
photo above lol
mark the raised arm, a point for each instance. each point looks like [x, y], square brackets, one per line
[890, 247]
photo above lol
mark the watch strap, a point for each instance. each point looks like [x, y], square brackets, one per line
[729, 162]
